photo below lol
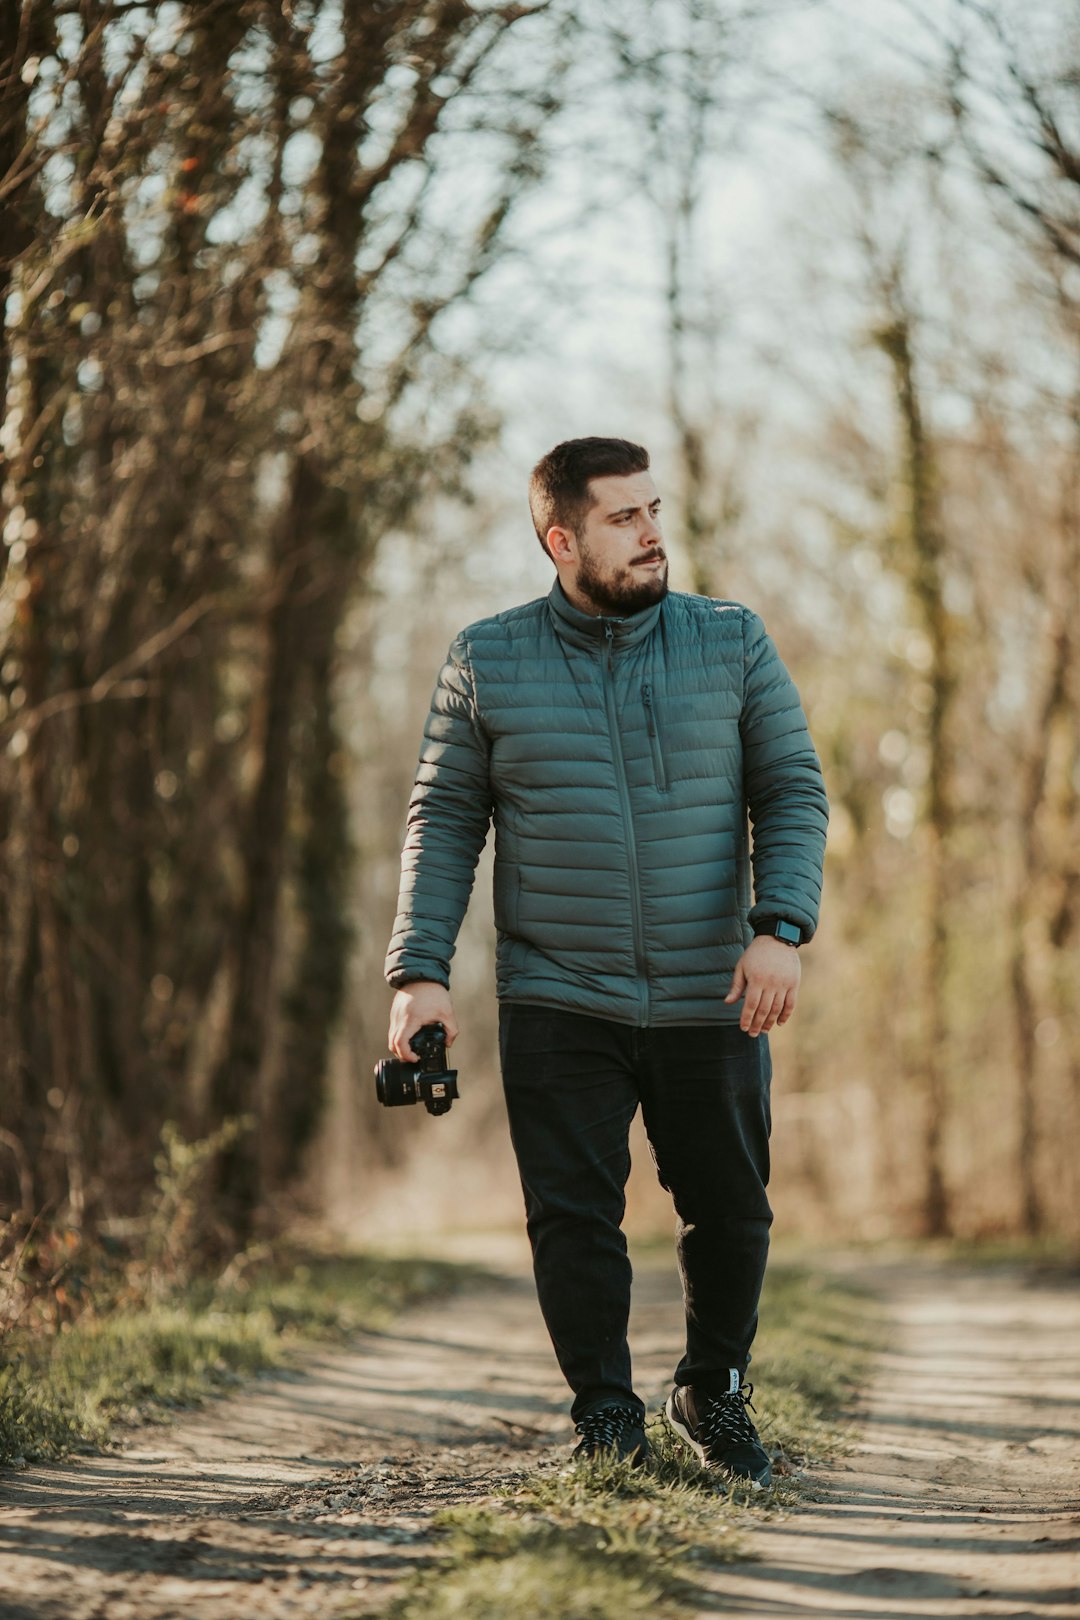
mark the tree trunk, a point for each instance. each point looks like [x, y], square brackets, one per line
[924, 549]
[314, 1000]
[235, 1085]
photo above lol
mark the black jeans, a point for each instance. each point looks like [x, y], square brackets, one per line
[573, 1084]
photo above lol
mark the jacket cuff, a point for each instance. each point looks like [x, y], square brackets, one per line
[403, 976]
[766, 911]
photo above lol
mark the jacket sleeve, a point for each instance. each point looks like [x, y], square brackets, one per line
[784, 788]
[448, 819]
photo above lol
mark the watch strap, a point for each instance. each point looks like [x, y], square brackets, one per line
[781, 928]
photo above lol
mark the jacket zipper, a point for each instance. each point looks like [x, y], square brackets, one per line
[654, 738]
[628, 822]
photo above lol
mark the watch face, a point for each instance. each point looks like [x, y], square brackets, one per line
[790, 933]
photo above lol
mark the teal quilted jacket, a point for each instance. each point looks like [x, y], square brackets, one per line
[619, 759]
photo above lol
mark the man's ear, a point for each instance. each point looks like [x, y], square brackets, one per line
[561, 544]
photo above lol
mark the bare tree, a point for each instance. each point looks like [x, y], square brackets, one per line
[686, 68]
[1027, 155]
[229, 244]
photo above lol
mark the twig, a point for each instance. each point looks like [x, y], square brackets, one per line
[109, 684]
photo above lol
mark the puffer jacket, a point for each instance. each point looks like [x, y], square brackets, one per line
[619, 759]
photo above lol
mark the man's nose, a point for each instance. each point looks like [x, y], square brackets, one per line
[650, 530]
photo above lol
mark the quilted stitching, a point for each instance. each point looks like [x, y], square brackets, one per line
[518, 732]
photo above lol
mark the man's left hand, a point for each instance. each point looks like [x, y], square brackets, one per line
[767, 974]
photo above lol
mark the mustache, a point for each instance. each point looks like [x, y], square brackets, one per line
[652, 557]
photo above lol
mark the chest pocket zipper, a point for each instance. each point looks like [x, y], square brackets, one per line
[654, 737]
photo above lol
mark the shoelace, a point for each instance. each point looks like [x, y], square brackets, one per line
[726, 1417]
[603, 1428]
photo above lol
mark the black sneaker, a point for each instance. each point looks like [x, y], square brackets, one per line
[719, 1429]
[615, 1431]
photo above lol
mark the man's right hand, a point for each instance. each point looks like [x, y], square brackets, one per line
[414, 1005]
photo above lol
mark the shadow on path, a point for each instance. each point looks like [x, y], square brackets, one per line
[962, 1496]
[312, 1494]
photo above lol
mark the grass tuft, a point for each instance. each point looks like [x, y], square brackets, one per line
[605, 1540]
[818, 1337]
[547, 1577]
[134, 1362]
[595, 1541]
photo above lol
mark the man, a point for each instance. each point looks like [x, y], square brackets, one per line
[620, 736]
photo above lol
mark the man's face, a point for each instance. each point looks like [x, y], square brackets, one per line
[621, 562]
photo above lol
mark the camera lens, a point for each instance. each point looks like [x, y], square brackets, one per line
[395, 1083]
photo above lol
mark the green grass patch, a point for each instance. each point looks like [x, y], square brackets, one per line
[606, 1540]
[1048, 1256]
[818, 1337]
[129, 1362]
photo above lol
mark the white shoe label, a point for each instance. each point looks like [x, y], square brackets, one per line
[736, 1381]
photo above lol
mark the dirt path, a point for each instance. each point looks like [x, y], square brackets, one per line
[962, 1497]
[311, 1494]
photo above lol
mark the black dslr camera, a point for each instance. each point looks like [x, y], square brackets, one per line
[429, 1081]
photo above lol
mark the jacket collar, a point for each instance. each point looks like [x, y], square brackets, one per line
[586, 630]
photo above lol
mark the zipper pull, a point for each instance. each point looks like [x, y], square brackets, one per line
[609, 635]
[650, 718]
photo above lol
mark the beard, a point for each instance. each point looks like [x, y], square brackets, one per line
[621, 590]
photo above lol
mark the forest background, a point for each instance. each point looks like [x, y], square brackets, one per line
[295, 294]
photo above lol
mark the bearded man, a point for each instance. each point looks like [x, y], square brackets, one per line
[625, 739]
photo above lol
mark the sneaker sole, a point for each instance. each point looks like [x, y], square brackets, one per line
[687, 1438]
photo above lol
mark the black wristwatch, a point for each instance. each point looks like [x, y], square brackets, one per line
[789, 932]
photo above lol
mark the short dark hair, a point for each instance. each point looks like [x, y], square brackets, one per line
[559, 486]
